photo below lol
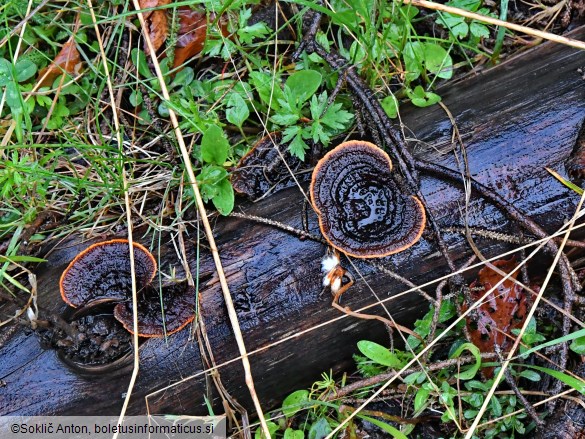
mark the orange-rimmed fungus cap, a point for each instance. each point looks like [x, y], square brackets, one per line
[179, 310]
[361, 210]
[102, 271]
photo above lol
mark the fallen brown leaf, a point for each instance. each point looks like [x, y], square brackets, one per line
[191, 35]
[503, 310]
[67, 60]
[157, 22]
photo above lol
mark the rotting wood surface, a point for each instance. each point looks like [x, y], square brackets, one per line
[514, 119]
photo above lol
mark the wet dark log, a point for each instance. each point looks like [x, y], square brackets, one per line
[514, 119]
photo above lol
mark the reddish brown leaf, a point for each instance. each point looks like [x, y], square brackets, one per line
[67, 60]
[157, 22]
[503, 310]
[191, 35]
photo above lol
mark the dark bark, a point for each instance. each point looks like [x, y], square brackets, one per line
[514, 119]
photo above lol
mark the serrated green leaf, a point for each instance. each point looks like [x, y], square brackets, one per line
[285, 118]
[214, 145]
[479, 30]
[379, 354]
[336, 118]
[267, 88]
[237, 112]
[295, 402]
[298, 147]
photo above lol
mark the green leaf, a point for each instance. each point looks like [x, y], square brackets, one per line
[25, 69]
[272, 429]
[285, 119]
[413, 55]
[576, 383]
[319, 429]
[5, 71]
[224, 199]
[394, 432]
[390, 106]
[470, 372]
[578, 346]
[336, 118]
[298, 147]
[295, 402]
[379, 354]
[496, 407]
[415, 378]
[530, 375]
[267, 88]
[421, 398]
[289, 433]
[303, 84]
[479, 30]
[455, 24]
[209, 180]
[568, 337]
[139, 60]
[183, 77]
[422, 98]
[13, 98]
[237, 111]
[214, 145]
[438, 61]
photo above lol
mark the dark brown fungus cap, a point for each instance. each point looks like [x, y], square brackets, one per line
[361, 210]
[102, 272]
[179, 309]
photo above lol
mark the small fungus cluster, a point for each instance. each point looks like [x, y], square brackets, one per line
[101, 274]
[361, 210]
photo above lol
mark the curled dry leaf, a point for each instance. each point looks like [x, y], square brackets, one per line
[157, 21]
[503, 310]
[67, 60]
[191, 35]
[193, 32]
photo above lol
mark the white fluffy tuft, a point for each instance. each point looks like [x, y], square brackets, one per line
[329, 262]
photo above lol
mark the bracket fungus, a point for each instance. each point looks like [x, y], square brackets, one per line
[101, 274]
[362, 212]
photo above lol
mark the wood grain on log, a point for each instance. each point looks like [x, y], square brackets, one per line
[515, 119]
